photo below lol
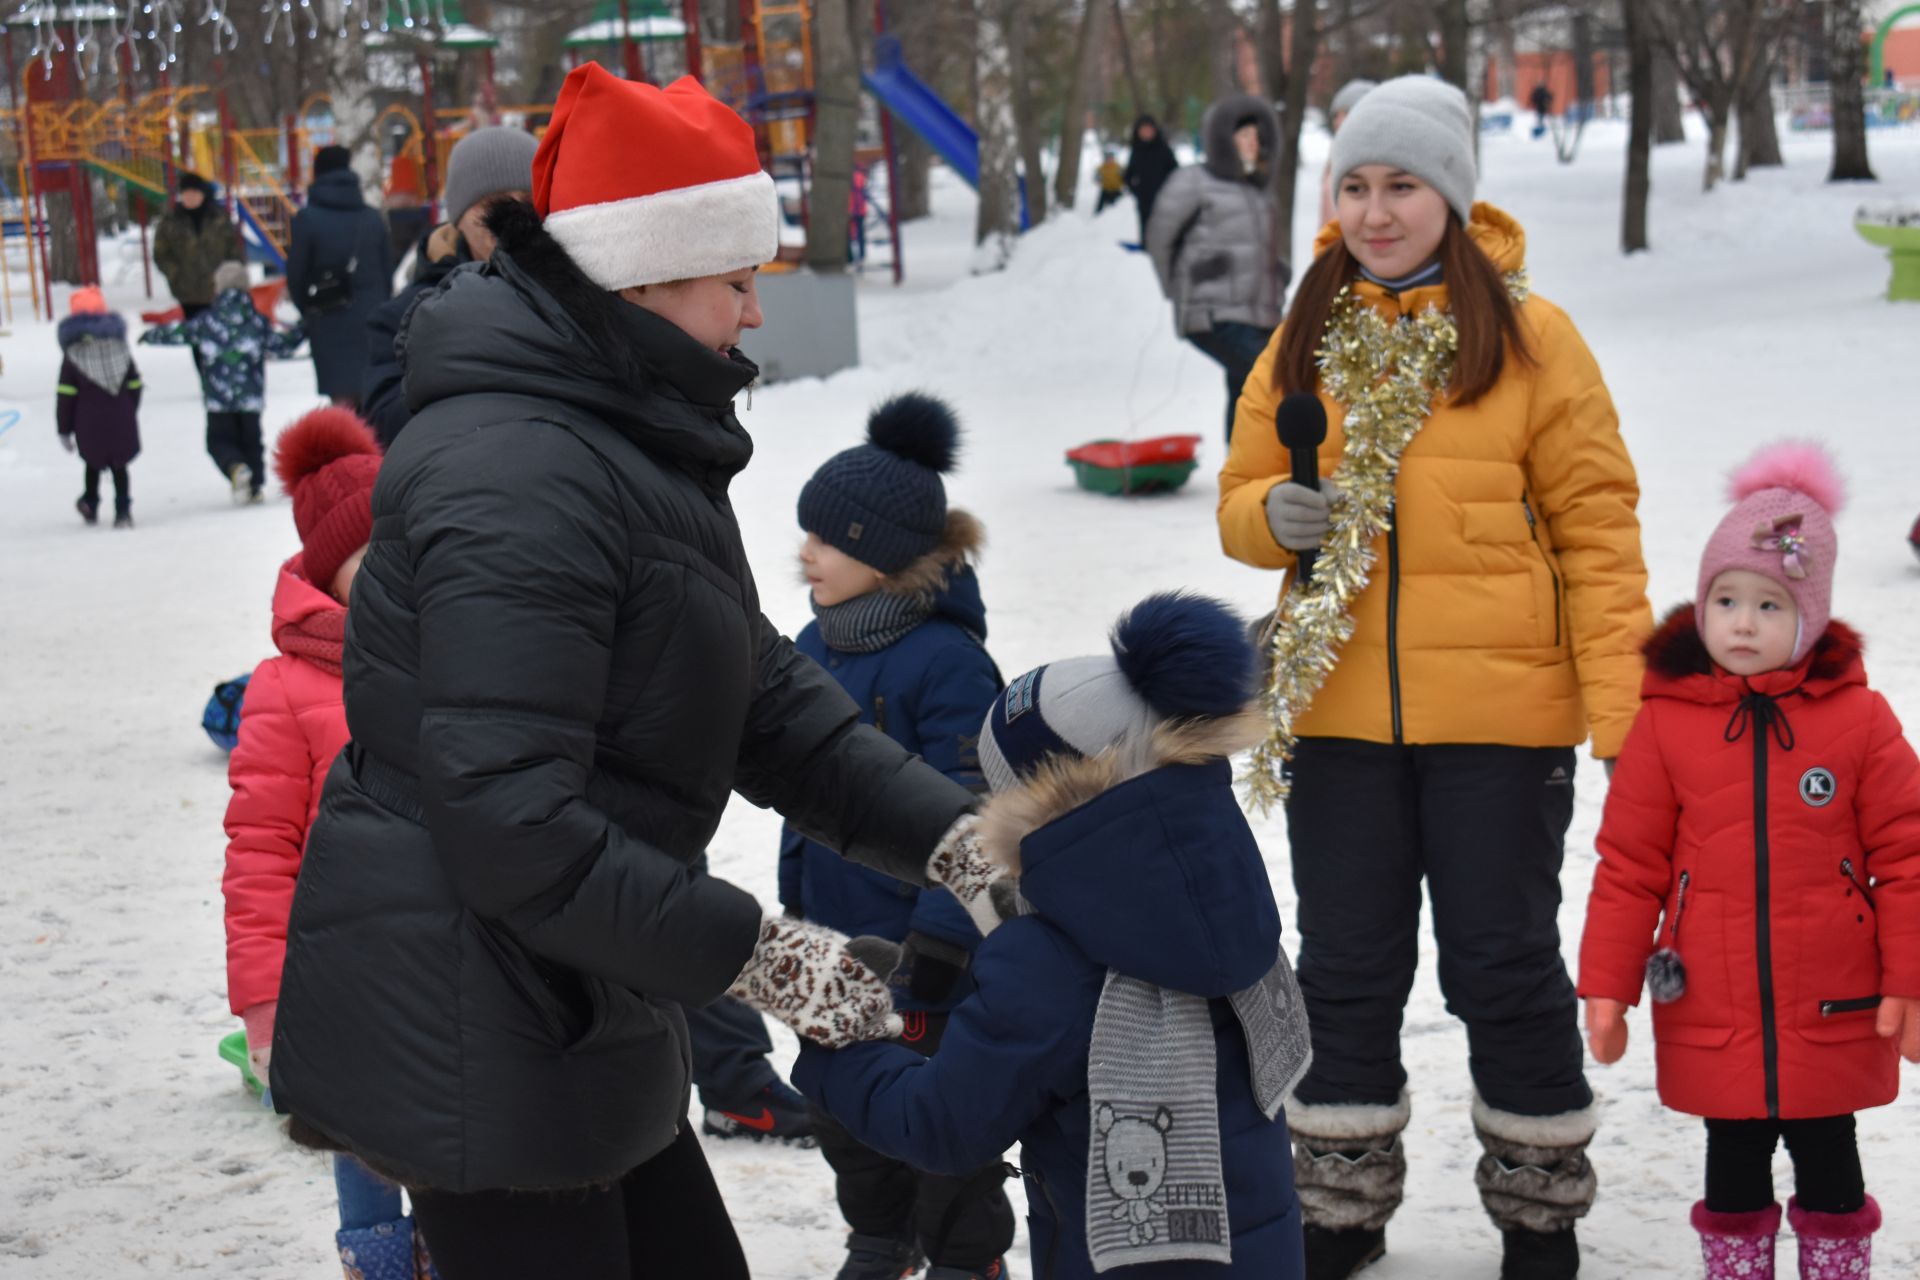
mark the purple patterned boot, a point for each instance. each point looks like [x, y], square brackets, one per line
[1835, 1246]
[1737, 1246]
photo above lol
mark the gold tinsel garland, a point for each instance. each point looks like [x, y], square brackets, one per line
[1387, 373]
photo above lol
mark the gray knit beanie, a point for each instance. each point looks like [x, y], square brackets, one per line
[231, 275]
[485, 163]
[1349, 96]
[1419, 125]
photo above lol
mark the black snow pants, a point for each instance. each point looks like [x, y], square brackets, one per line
[1485, 827]
[964, 1222]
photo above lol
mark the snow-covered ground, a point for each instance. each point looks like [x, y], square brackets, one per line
[128, 1148]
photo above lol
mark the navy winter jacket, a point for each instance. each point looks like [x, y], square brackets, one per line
[927, 691]
[1160, 878]
[337, 231]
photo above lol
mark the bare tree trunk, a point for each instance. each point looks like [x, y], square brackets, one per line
[353, 105]
[63, 238]
[1759, 137]
[1506, 42]
[836, 116]
[1668, 126]
[916, 175]
[1162, 71]
[1220, 48]
[1286, 178]
[1456, 35]
[1073, 128]
[998, 221]
[1846, 71]
[1273, 50]
[1016, 24]
[1717, 114]
[1644, 107]
[1126, 60]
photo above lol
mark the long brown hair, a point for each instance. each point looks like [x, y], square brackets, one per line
[1483, 311]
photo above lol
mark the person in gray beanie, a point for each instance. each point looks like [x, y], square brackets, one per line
[485, 167]
[1497, 632]
[1345, 99]
[1215, 242]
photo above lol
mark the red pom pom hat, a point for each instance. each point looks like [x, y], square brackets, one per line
[328, 461]
[643, 185]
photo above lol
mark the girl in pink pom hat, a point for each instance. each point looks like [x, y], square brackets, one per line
[1760, 876]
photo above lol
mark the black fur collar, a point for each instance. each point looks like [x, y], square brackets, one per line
[1676, 649]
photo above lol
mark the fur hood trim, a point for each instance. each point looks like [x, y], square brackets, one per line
[1677, 650]
[1065, 783]
[960, 544]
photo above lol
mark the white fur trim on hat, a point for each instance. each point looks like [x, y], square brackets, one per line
[679, 234]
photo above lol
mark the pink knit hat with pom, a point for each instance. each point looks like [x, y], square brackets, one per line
[1781, 527]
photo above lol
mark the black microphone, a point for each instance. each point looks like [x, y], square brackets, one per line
[1301, 421]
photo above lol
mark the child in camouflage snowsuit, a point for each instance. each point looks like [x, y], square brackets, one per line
[232, 341]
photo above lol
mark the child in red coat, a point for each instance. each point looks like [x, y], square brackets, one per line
[292, 725]
[1760, 870]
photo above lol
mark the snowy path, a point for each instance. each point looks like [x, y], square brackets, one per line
[129, 1149]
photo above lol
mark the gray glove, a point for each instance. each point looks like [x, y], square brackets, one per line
[1299, 516]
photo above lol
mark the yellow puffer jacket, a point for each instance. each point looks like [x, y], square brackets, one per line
[1509, 602]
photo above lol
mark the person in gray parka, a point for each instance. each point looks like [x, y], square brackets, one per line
[1215, 243]
[339, 269]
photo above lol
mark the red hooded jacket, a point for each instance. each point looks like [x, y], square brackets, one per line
[1769, 829]
[292, 725]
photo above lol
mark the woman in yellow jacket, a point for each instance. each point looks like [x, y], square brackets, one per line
[1498, 629]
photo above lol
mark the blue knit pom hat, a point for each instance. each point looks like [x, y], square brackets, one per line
[883, 502]
[1176, 657]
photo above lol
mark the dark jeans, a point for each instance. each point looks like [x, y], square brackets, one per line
[730, 1048]
[664, 1218]
[235, 437]
[1234, 347]
[1485, 827]
[963, 1222]
[122, 488]
[1107, 198]
[1826, 1164]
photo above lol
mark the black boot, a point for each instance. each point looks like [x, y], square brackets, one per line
[89, 509]
[1535, 1255]
[1335, 1255]
[878, 1258]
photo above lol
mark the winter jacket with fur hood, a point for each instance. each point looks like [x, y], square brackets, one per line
[1509, 603]
[927, 692]
[1214, 235]
[1155, 874]
[292, 725]
[557, 670]
[1766, 829]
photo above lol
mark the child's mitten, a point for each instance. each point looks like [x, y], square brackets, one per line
[803, 974]
[985, 888]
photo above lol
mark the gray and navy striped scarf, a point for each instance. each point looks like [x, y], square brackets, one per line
[869, 623]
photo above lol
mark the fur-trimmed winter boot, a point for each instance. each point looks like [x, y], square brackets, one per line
[1351, 1171]
[1737, 1246]
[1535, 1182]
[383, 1251]
[1835, 1246]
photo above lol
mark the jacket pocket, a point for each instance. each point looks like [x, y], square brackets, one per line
[566, 1021]
[1840, 1020]
[1501, 540]
[1703, 1016]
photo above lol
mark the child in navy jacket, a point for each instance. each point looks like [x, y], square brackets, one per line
[1134, 1024]
[899, 622]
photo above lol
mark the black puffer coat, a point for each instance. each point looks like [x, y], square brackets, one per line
[556, 671]
[337, 231]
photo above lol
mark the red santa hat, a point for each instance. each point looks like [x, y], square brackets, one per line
[643, 185]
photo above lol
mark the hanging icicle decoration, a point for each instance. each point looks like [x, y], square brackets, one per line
[225, 38]
[42, 16]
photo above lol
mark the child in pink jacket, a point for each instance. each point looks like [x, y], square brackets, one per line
[292, 725]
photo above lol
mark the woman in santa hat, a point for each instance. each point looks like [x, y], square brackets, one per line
[556, 672]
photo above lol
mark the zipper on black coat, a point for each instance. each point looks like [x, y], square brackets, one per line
[1393, 619]
[1763, 918]
[1533, 528]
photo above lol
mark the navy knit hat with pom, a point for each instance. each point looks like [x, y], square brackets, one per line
[883, 502]
[1175, 657]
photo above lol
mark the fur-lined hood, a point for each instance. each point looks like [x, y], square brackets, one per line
[1144, 858]
[104, 327]
[1678, 665]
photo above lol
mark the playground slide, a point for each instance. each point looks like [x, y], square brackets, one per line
[918, 107]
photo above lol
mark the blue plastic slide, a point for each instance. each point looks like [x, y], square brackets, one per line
[922, 110]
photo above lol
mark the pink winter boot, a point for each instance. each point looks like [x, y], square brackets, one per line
[1835, 1246]
[1737, 1246]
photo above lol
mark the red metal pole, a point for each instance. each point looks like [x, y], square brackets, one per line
[690, 15]
[229, 170]
[139, 200]
[430, 164]
[35, 210]
[629, 53]
[893, 159]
